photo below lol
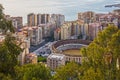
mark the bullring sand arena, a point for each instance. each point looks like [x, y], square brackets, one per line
[69, 47]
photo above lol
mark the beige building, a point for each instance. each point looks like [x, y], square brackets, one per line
[31, 58]
[34, 33]
[86, 28]
[57, 34]
[116, 12]
[25, 45]
[76, 27]
[24, 42]
[25, 57]
[94, 28]
[57, 19]
[66, 31]
[32, 19]
[72, 29]
[55, 60]
[43, 18]
[47, 30]
[22, 38]
[17, 22]
[88, 16]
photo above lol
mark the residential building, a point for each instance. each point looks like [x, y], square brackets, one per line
[38, 19]
[57, 19]
[76, 27]
[32, 19]
[66, 31]
[88, 16]
[46, 29]
[116, 12]
[106, 18]
[86, 30]
[57, 34]
[35, 35]
[31, 58]
[94, 28]
[22, 38]
[45, 18]
[17, 22]
[72, 29]
[55, 60]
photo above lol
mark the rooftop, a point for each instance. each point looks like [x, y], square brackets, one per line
[56, 56]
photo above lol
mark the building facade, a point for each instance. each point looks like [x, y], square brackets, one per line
[22, 38]
[55, 60]
[94, 28]
[57, 34]
[43, 18]
[88, 16]
[17, 22]
[35, 35]
[31, 58]
[57, 19]
[32, 19]
[65, 31]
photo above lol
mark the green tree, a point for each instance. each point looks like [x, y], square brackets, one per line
[9, 48]
[101, 55]
[41, 59]
[5, 77]
[5, 25]
[69, 71]
[91, 74]
[1, 11]
[33, 72]
[9, 52]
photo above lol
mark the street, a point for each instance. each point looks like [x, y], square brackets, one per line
[33, 48]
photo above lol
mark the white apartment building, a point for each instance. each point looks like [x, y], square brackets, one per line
[55, 60]
[46, 29]
[57, 19]
[43, 18]
[35, 35]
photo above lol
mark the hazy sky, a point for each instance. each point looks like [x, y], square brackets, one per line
[69, 8]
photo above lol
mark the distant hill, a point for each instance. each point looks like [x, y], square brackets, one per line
[114, 5]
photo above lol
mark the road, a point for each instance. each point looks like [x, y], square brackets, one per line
[33, 48]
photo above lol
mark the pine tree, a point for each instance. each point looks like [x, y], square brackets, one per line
[100, 57]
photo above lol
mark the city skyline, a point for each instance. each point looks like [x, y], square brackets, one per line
[68, 8]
